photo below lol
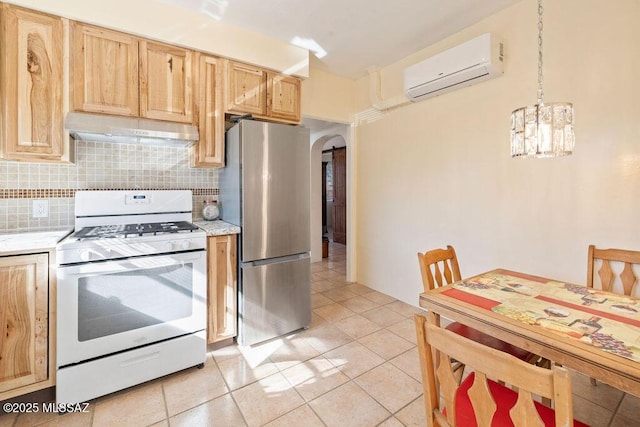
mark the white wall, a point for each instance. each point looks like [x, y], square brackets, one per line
[328, 97]
[179, 26]
[439, 172]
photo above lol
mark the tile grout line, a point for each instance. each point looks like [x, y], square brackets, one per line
[230, 391]
[617, 408]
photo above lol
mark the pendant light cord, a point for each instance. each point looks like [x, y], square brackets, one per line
[540, 95]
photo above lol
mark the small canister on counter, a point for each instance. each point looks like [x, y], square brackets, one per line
[210, 210]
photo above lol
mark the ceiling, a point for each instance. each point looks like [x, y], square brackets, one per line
[349, 36]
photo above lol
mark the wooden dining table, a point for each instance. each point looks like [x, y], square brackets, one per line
[594, 332]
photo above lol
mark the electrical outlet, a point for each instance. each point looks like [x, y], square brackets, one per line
[40, 208]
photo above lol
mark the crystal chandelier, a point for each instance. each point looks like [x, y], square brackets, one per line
[542, 130]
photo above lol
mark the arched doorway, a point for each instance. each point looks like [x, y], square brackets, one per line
[324, 133]
[321, 141]
[317, 157]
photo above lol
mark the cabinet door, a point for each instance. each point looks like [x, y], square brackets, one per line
[31, 85]
[246, 89]
[104, 71]
[283, 97]
[166, 82]
[209, 150]
[222, 281]
[24, 320]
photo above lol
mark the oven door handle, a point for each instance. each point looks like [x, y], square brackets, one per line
[129, 264]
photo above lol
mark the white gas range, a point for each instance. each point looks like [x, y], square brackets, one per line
[131, 292]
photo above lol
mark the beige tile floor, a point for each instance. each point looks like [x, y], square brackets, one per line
[357, 365]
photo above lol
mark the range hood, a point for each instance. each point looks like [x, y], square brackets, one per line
[129, 130]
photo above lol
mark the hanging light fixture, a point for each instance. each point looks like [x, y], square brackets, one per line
[542, 130]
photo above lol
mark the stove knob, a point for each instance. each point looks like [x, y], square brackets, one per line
[180, 245]
[87, 255]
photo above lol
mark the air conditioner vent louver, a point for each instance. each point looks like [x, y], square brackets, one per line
[474, 61]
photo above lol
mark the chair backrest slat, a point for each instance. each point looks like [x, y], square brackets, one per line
[481, 399]
[606, 276]
[437, 275]
[525, 410]
[628, 278]
[448, 385]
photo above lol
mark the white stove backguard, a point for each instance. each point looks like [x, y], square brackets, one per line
[106, 207]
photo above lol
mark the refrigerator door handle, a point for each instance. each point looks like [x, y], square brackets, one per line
[277, 260]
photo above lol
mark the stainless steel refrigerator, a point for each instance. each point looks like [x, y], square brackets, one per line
[264, 189]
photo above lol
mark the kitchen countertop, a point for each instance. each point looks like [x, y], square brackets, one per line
[45, 240]
[31, 241]
[218, 227]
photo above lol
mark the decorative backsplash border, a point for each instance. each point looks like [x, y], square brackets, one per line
[98, 166]
[56, 193]
[40, 193]
[16, 211]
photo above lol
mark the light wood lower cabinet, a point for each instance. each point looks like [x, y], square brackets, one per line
[24, 316]
[222, 287]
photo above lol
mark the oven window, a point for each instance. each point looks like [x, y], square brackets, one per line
[113, 303]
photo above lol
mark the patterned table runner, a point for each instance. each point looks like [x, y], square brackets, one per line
[607, 321]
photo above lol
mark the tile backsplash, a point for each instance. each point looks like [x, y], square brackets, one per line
[98, 166]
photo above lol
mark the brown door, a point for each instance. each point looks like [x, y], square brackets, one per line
[324, 197]
[340, 196]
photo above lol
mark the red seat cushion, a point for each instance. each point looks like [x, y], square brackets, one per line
[505, 398]
[489, 341]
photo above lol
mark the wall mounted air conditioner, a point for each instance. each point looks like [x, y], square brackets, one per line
[471, 62]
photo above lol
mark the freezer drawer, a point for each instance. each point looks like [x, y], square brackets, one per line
[274, 298]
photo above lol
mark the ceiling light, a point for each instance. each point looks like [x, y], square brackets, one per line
[542, 130]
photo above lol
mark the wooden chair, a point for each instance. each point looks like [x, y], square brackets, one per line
[606, 273]
[478, 400]
[440, 267]
[603, 258]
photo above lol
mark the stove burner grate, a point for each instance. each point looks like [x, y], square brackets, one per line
[133, 230]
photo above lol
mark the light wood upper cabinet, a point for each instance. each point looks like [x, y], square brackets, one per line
[262, 93]
[246, 89]
[166, 82]
[209, 114]
[32, 85]
[24, 319]
[116, 73]
[104, 71]
[283, 97]
[222, 287]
